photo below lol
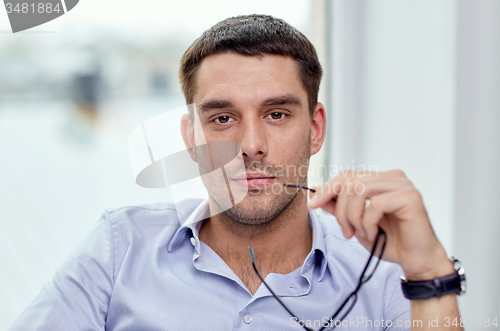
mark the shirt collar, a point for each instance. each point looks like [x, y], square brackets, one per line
[193, 223]
[195, 220]
[318, 244]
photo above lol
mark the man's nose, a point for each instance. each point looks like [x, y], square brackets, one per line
[252, 139]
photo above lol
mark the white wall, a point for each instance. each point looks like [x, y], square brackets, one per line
[477, 176]
[393, 95]
[416, 86]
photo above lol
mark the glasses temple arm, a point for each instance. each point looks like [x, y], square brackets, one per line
[380, 233]
[252, 258]
[361, 280]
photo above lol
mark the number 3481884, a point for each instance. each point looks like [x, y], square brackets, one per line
[31, 8]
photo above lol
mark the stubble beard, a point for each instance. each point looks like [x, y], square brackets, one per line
[260, 208]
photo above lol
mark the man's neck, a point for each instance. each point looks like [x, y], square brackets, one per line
[280, 246]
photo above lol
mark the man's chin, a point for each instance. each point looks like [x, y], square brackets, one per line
[258, 208]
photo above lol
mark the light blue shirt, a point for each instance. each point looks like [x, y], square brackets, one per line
[140, 270]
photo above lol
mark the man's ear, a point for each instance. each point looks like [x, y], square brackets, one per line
[318, 128]
[187, 130]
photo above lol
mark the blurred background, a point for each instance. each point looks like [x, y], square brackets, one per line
[409, 84]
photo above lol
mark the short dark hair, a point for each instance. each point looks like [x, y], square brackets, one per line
[253, 35]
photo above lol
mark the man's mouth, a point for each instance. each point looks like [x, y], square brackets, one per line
[254, 181]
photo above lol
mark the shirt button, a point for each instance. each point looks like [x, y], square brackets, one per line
[247, 318]
[193, 241]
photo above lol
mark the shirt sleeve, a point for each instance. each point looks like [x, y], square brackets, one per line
[78, 296]
[397, 311]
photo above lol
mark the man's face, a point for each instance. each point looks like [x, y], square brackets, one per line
[259, 103]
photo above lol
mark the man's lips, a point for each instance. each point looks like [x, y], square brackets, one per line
[253, 181]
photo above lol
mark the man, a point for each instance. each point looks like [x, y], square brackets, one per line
[254, 81]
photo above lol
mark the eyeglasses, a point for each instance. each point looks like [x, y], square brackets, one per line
[344, 309]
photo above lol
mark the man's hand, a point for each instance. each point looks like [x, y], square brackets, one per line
[397, 207]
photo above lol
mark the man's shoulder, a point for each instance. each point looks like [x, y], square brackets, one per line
[153, 213]
[145, 221]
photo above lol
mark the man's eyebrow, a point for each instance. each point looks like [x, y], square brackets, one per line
[287, 99]
[214, 104]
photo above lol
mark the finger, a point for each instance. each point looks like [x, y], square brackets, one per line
[341, 214]
[393, 173]
[311, 194]
[355, 209]
[328, 205]
[331, 208]
[371, 186]
[362, 189]
[325, 193]
[332, 188]
[367, 243]
[372, 216]
[387, 203]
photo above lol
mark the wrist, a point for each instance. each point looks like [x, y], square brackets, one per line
[436, 286]
[437, 266]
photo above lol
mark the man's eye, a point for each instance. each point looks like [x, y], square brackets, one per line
[276, 115]
[224, 119]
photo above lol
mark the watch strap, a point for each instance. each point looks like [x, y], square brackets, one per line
[437, 287]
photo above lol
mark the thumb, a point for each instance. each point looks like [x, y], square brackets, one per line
[318, 199]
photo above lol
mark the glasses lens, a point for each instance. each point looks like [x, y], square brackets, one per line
[375, 259]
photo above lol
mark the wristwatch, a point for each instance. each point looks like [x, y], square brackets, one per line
[425, 289]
